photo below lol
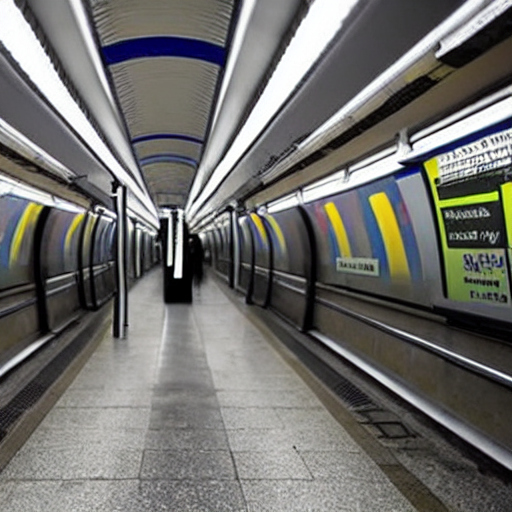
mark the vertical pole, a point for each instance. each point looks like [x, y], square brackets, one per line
[236, 248]
[121, 299]
[126, 255]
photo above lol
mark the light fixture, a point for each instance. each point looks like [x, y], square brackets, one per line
[464, 33]
[418, 60]
[283, 203]
[369, 169]
[19, 39]
[481, 115]
[241, 28]
[306, 47]
[22, 145]
[9, 186]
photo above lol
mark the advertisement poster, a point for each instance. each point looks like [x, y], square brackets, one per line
[471, 190]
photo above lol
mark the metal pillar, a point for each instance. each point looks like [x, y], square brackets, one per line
[236, 248]
[121, 298]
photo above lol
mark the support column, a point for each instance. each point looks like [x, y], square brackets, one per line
[236, 248]
[177, 266]
[121, 298]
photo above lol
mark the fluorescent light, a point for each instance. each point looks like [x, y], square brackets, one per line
[15, 140]
[324, 187]
[83, 25]
[241, 28]
[476, 117]
[304, 50]
[377, 166]
[284, 203]
[468, 30]
[68, 207]
[10, 186]
[21, 42]
[372, 96]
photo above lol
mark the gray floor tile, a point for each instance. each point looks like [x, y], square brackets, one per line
[103, 496]
[220, 496]
[257, 382]
[33, 497]
[186, 439]
[192, 416]
[171, 397]
[250, 418]
[6, 489]
[306, 418]
[81, 462]
[77, 496]
[175, 496]
[294, 496]
[105, 381]
[187, 464]
[113, 398]
[312, 440]
[271, 398]
[271, 465]
[338, 465]
[73, 437]
[116, 418]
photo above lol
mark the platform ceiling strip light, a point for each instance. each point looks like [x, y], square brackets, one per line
[19, 39]
[481, 115]
[304, 50]
[81, 18]
[346, 116]
[284, 203]
[9, 186]
[468, 30]
[16, 141]
[241, 28]
[377, 166]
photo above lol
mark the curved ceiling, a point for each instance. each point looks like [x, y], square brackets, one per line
[166, 59]
[149, 77]
[169, 84]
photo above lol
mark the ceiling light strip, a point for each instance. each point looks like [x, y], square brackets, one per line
[19, 39]
[306, 47]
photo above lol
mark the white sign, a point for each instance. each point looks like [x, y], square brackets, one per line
[361, 266]
[484, 155]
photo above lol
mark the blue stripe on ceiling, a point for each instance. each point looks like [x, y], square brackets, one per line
[144, 47]
[168, 157]
[175, 136]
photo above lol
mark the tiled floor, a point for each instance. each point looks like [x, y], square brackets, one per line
[193, 412]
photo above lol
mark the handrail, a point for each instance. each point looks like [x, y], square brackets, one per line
[465, 362]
